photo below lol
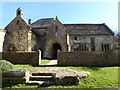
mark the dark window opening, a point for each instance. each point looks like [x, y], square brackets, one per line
[92, 43]
[18, 13]
[75, 38]
[17, 22]
[56, 28]
[105, 47]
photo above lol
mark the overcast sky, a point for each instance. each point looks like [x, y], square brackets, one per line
[67, 12]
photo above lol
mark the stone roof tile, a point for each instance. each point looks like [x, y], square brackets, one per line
[88, 29]
[45, 22]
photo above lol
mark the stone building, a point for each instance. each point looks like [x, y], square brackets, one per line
[18, 34]
[50, 35]
[90, 37]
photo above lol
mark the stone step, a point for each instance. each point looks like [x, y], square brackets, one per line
[34, 82]
[40, 82]
[40, 78]
[42, 74]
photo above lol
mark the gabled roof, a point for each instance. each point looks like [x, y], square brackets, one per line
[17, 18]
[88, 29]
[45, 22]
[39, 31]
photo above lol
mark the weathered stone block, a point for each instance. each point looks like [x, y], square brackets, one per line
[68, 80]
[16, 76]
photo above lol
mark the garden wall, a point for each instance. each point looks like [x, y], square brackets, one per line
[108, 58]
[32, 58]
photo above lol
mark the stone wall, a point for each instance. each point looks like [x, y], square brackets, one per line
[32, 58]
[108, 58]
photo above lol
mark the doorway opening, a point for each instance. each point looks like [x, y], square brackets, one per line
[55, 48]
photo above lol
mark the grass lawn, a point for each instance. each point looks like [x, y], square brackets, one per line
[102, 77]
[18, 66]
[44, 61]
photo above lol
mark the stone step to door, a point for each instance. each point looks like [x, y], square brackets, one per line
[41, 78]
[42, 74]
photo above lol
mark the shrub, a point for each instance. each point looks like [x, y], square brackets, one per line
[5, 66]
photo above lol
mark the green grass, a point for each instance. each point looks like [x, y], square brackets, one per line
[102, 77]
[44, 61]
[18, 66]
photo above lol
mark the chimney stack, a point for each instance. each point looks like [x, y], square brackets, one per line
[29, 21]
[56, 18]
[19, 12]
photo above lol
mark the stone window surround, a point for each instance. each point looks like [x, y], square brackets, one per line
[78, 37]
[80, 47]
[105, 46]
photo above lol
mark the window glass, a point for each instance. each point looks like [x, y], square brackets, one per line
[76, 45]
[72, 38]
[81, 47]
[81, 38]
[56, 28]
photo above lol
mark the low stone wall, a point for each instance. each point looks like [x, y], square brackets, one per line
[32, 58]
[108, 58]
[16, 76]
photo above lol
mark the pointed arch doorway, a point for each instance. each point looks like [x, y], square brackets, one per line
[55, 48]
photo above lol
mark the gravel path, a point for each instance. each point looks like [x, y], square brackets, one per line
[52, 62]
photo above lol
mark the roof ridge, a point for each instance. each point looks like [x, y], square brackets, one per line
[46, 18]
[85, 24]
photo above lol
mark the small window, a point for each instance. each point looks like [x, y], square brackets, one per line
[18, 13]
[56, 28]
[20, 30]
[75, 38]
[105, 47]
[72, 38]
[76, 47]
[17, 22]
[81, 47]
[81, 38]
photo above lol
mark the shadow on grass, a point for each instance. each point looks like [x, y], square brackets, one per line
[45, 85]
[8, 84]
[95, 68]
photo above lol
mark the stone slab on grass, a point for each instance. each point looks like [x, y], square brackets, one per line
[63, 76]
